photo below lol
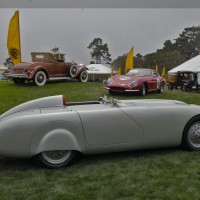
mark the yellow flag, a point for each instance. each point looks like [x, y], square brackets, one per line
[129, 61]
[111, 74]
[13, 40]
[156, 68]
[119, 71]
[164, 72]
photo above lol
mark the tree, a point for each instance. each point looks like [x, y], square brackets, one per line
[99, 51]
[169, 46]
[188, 42]
[8, 63]
[55, 49]
[169, 59]
[120, 61]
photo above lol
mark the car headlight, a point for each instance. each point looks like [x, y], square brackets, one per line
[28, 71]
[133, 83]
[109, 81]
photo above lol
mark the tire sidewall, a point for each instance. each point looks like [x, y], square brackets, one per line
[35, 78]
[161, 90]
[41, 160]
[81, 76]
[71, 73]
[185, 141]
[143, 90]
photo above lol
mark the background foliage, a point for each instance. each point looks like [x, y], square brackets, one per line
[173, 53]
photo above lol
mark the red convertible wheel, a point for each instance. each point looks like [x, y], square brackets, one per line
[191, 135]
[143, 90]
[161, 89]
[56, 159]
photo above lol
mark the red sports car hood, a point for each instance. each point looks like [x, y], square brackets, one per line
[123, 79]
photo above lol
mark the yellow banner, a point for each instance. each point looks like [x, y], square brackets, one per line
[119, 71]
[164, 72]
[129, 61]
[13, 40]
[157, 68]
[111, 74]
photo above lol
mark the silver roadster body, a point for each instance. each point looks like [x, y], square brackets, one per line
[51, 128]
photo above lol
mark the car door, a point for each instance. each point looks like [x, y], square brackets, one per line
[109, 127]
[62, 69]
[154, 81]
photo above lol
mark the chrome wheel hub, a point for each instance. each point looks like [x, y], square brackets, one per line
[56, 157]
[40, 79]
[194, 134]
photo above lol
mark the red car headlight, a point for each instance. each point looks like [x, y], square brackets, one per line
[109, 81]
[133, 83]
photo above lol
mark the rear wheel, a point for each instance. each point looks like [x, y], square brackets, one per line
[56, 159]
[83, 77]
[161, 89]
[40, 78]
[143, 90]
[191, 134]
[183, 88]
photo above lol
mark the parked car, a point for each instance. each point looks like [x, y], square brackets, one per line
[54, 131]
[47, 66]
[184, 80]
[4, 74]
[136, 80]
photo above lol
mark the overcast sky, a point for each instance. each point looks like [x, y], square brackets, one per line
[73, 29]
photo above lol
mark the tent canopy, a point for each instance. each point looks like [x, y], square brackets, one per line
[98, 69]
[192, 65]
[2, 68]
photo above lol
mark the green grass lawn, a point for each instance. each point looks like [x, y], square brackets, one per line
[150, 174]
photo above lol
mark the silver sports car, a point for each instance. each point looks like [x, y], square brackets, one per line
[54, 131]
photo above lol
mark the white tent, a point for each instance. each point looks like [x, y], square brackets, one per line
[190, 65]
[98, 72]
[98, 69]
[2, 69]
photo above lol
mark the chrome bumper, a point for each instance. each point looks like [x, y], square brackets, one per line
[17, 76]
[125, 90]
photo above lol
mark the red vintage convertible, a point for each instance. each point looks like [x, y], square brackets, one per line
[136, 80]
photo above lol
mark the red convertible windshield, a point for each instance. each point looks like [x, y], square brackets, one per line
[139, 72]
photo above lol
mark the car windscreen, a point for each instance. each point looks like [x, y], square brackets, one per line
[139, 72]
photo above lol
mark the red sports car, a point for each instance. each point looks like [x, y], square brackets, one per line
[136, 80]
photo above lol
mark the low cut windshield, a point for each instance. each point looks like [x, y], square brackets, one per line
[139, 72]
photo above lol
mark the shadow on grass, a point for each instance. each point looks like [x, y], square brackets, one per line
[30, 164]
[129, 154]
[52, 82]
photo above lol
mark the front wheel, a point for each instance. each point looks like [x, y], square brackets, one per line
[143, 90]
[83, 77]
[40, 78]
[57, 158]
[183, 88]
[191, 135]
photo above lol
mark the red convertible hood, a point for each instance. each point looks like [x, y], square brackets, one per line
[124, 79]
